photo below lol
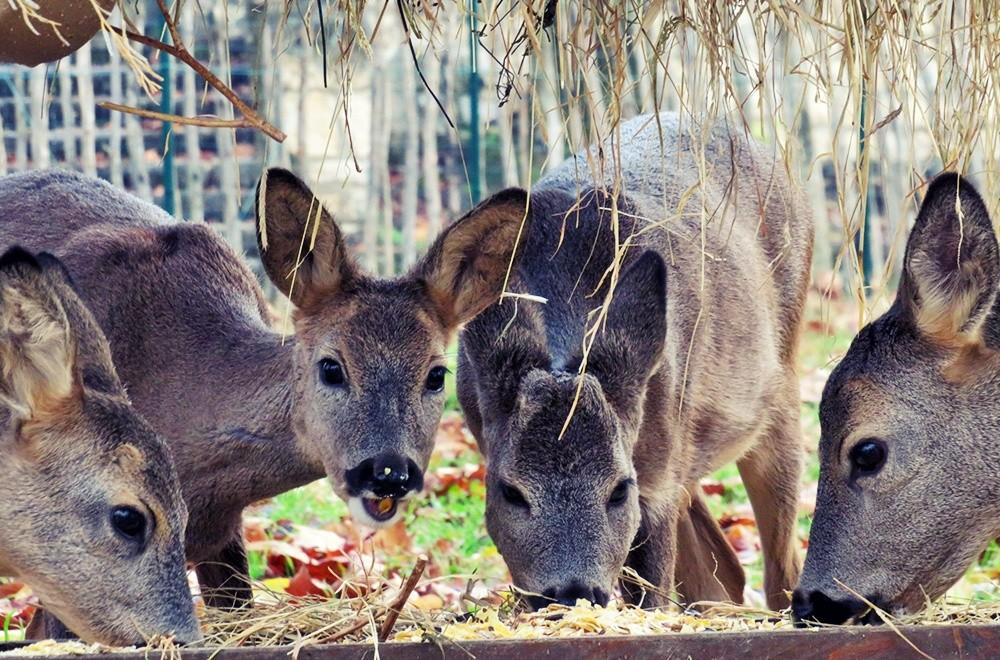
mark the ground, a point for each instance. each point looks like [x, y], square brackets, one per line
[302, 542]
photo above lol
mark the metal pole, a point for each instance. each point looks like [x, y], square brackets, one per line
[167, 107]
[862, 239]
[472, 157]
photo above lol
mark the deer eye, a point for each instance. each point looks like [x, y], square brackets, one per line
[130, 523]
[867, 457]
[513, 496]
[331, 373]
[620, 494]
[435, 379]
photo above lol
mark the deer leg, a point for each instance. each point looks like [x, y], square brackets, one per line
[707, 568]
[45, 625]
[652, 558]
[225, 580]
[771, 472]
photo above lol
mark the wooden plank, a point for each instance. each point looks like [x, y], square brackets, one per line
[857, 643]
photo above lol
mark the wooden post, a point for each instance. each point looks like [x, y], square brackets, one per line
[374, 192]
[115, 124]
[551, 111]
[39, 123]
[385, 138]
[524, 135]
[66, 96]
[508, 157]
[428, 139]
[227, 163]
[410, 165]
[22, 127]
[302, 152]
[88, 120]
[194, 177]
[454, 170]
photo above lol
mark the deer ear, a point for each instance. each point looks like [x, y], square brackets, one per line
[952, 264]
[502, 345]
[464, 271]
[629, 345]
[300, 245]
[37, 345]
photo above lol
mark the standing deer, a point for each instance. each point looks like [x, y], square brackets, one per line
[92, 516]
[909, 483]
[692, 367]
[355, 395]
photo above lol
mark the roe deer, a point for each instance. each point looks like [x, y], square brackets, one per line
[909, 484]
[694, 367]
[356, 394]
[92, 516]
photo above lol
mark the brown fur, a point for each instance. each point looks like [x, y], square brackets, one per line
[694, 368]
[924, 381]
[74, 449]
[244, 409]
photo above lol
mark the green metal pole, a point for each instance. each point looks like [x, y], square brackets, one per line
[862, 239]
[474, 165]
[167, 107]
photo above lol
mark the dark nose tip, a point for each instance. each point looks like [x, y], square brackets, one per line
[189, 639]
[385, 475]
[568, 594]
[817, 607]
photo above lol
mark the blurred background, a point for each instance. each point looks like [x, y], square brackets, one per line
[403, 114]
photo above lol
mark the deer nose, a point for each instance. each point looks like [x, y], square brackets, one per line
[385, 475]
[568, 594]
[817, 607]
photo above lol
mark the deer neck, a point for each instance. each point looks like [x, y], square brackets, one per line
[248, 449]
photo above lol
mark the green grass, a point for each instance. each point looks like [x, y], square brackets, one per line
[314, 505]
[453, 527]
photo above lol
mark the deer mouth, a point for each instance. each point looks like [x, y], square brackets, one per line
[373, 511]
[380, 509]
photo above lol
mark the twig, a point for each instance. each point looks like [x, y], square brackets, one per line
[179, 51]
[882, 614]
[404, 594]
[416, 63]
[208, 122]
[322, 34]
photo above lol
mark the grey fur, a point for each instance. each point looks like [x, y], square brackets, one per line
[923, 379]
[242, 407]
[72, 457]
[693, 369]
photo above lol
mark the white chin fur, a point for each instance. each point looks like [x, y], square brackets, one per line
[357, 510]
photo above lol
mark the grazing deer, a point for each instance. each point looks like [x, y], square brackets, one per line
[355, 395]
[909, 484]
[692, 367]
[92, 516]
